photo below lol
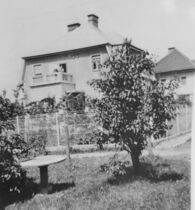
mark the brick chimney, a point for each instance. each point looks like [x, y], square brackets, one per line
[73, 26]
[93, 20]
[170, 49]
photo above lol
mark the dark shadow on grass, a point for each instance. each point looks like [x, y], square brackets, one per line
[30, 190]
[61, 186]
[159, 172]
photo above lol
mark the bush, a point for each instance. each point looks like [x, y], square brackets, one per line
[93, 137]
[118, 170]
[12, 176]
[35, 146]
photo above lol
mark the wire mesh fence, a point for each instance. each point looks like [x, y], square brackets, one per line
[52, 127]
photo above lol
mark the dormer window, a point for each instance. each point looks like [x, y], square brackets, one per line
[63, 68]
[37, 70]
[96, 62]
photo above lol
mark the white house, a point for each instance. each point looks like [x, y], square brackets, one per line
[176, 65]
[70, 62]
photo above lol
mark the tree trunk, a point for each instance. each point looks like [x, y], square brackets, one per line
[135, 161]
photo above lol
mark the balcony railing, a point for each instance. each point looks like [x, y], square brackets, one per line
[38, 79]
[52, 78]
[57, 77]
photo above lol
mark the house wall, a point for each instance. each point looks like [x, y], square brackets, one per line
[188, 87]
[79, 64]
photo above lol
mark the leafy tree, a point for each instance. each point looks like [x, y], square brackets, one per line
[133, 105]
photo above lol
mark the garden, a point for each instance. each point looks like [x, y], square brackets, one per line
[134, 109]
[164, 184]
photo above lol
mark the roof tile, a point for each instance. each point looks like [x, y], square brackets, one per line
[82, 37]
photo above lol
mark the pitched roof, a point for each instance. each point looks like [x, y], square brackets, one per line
[82, 37]
[174, 61]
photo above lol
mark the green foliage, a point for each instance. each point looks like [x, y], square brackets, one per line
[116, 168]
[8, 109]
[184, 100]
[73, 102]
[133, 105]
[92, 190]
[12, 147]
[46, 105]
[93, 137]
[35, 147]
[153, 168]
[12, 176]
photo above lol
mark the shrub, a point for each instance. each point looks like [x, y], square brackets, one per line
[36, 146]
[117, 168]
[14, 185]
[12, 176]
[93, 137]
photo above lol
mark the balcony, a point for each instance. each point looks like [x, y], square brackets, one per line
[59, 77]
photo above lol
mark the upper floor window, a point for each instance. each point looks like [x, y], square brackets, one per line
[96, 62]
[183, 80]
[62, 67]
[37, 70]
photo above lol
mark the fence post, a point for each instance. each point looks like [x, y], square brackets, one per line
[67, 142]
[25, 127]
[17, 125]
[186, 116]
[167, 131]
[71, 173]
[150, 144]
[57, 129]
[177, 121]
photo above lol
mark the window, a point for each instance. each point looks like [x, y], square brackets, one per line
[63, 67]
[183, 80]
[163, 80]
[96, 62]
[37, 70]
[184, 99]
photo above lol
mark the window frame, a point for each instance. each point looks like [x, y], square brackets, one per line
[34, 70]
[183, 80]
[98, 68]
[163, 80]
[65, 65]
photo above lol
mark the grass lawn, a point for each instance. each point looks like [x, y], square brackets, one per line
[89, 188]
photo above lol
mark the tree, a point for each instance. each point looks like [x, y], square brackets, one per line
[133, 105]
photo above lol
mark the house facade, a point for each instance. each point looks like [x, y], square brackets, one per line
[176, 65]
[69, 63]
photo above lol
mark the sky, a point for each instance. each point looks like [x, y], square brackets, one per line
[153, 25]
